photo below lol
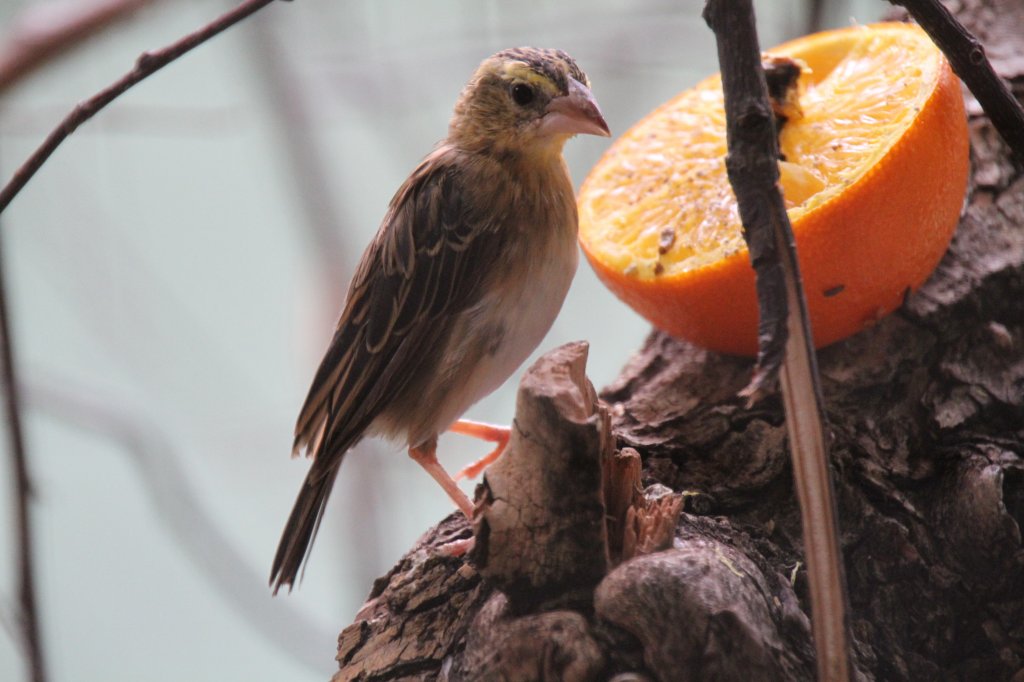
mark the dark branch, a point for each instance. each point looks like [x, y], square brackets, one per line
[147, 64]
[752, 165]
[785, 340]
[540, 531]
[966, 55]
[28, 615]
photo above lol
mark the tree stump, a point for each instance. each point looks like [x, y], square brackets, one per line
[577, 574]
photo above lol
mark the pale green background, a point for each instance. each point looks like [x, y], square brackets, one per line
[171, 302]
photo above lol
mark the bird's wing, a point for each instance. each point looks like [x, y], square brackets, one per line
[427, 262]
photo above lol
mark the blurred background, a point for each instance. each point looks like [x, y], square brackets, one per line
[174, 274]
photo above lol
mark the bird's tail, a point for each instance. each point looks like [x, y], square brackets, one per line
[303, 523]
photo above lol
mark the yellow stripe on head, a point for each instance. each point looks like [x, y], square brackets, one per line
[521, 71]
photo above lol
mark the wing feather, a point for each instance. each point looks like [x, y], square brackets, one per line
[427, 263]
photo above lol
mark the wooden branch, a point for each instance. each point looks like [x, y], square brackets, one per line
[752, 165]
[966, 55]
[549, 646]
[536, 603]
[639, 522]
[690, 606]
[47, 29]
[540, 541]
[147, 64]
[540, 526]
[28, 616]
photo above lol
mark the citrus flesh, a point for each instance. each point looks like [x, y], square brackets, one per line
[873, 177]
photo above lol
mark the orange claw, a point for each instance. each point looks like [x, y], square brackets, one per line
[488, 432]
[457, 548]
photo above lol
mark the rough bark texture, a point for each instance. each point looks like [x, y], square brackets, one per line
[926, 414]
[546, 501]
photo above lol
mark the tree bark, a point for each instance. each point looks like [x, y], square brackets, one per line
[926, 416]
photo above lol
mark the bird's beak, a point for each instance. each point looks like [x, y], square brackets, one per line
[574, 113]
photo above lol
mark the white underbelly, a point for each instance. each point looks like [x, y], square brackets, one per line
[525, 314]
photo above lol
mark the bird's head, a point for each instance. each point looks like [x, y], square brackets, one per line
[525, 100]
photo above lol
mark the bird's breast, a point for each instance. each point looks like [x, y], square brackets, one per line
[498, 334]
[527, 308]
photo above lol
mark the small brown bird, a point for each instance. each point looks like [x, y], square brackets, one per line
[464, 278]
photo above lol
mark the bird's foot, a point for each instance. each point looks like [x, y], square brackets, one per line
[488, 432]
[457, 547]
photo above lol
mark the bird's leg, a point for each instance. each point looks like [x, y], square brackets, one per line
[426, 456]
[488, 432]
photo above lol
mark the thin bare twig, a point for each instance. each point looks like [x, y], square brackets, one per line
[47, 29]
[147, 64]
[28, 615]
[966, 55]
[752, 165]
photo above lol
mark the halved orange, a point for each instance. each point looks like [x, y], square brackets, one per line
[874, 179]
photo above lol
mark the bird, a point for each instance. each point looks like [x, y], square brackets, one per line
[465, 276]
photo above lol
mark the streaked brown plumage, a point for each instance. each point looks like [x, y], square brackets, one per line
[463, 279]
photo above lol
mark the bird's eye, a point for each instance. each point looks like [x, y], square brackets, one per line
[522, 94]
